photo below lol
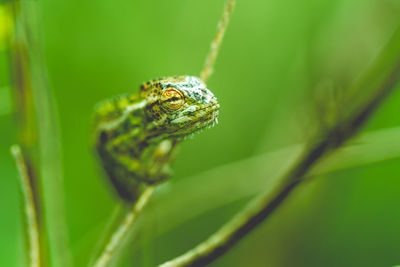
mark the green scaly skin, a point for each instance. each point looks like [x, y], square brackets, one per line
[135, 135]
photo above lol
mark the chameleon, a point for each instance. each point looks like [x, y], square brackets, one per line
[136, 134]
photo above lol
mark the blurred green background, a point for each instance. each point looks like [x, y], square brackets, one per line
[277, 58]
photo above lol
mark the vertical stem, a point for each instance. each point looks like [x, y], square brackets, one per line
[30, 208]
[216, 43]
[39, 131]
[27, 131]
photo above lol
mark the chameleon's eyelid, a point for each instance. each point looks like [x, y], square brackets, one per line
[173, 89]
[172, 99]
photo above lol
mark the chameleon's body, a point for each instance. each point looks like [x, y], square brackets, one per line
[136, 134]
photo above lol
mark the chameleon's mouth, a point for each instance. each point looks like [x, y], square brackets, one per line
[185, 126]
[201, 119]
[206, 121]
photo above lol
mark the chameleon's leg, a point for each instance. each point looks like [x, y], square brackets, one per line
[140, 161]
[158, 165]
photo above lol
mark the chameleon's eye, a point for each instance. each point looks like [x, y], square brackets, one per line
[172, 99]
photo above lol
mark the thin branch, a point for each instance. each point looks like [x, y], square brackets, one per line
[250, 217]
[30, 208]
[109, 229]
[260, 209]
[117, 237]
[216, 43]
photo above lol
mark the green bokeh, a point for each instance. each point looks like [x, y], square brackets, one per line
[274, 55]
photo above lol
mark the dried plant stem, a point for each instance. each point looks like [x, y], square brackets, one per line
[216, 43]
[30, 209]
[117, 237]
[260, 209]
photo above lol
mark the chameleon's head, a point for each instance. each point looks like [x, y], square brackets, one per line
[179, 106]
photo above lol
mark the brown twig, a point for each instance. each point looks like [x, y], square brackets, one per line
[260, 209]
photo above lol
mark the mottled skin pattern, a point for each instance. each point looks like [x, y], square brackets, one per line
[136, 134]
